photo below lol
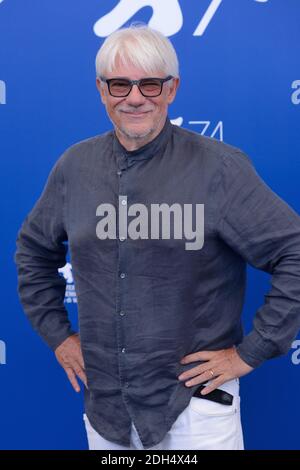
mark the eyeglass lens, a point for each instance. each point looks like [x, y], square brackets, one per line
[121, 87]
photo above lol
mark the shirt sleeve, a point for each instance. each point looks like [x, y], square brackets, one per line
[41, 250]
[265, 231]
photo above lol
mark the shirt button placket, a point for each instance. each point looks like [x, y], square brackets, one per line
[122, 270]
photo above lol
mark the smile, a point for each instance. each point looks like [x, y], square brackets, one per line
[136, 114]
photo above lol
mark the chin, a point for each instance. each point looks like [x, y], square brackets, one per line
[136, 133]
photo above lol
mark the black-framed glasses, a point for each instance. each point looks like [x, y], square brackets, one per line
[149, 87]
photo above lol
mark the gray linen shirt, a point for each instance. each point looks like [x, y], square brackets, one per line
[143, 304]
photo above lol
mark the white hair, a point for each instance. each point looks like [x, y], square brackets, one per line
[140, 46]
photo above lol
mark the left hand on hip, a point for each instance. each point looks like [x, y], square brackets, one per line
[222, 365]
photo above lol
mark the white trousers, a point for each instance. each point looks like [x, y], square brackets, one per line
[202, 425]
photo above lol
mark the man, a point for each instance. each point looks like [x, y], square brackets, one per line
[148, 296]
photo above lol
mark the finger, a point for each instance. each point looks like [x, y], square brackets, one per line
[80, 373]
[198, 370]
[72, 377]
[213, 385]
[79, 359]
[204, 377]
[198, 356]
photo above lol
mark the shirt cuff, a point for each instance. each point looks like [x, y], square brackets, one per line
[54, 341]
[254, 349]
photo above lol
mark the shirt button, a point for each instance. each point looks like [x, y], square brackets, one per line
[122, 275]
[122, 239]
[119, 172]
[124, 202]
[122, 313]
[123, 350]
[126, 384]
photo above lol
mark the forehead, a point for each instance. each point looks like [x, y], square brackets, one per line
[132, 72]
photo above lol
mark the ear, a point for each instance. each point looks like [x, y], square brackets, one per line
[102, 90]
[172, 89]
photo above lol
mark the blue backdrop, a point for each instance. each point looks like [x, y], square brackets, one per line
[240, 74]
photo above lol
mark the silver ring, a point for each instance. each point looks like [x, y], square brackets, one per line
[211, 372]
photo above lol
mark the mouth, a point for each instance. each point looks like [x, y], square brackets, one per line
[135, 114]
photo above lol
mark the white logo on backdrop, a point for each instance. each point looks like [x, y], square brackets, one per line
[166, 17]
[2, 87]
[66, 272]
[2, 91]
[125, 9]
[177, 121]
[202, 127]
[296, 94]
[2, 352]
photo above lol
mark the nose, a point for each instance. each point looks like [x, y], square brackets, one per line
[135, 97]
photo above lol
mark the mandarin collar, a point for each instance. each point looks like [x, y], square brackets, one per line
[147, 150]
